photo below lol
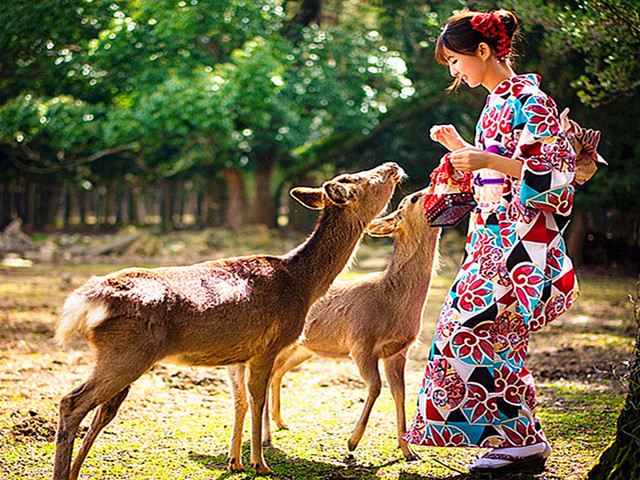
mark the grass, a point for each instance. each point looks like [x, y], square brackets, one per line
[176, 423]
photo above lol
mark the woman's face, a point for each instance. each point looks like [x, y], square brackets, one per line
[471, 69]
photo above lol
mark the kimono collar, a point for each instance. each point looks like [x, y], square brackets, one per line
[514, 85]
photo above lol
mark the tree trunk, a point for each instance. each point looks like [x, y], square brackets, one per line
[30, 215]
[82, 207]
[236, 198]
[621, 459]
[264, 207]
[50, 202]
[168, 200]
[6, 205]
[133, 205]
[111, 202]
[66, 207]
[208, 205]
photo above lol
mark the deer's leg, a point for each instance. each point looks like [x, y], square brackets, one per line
[258, 381]
[394, 371]
[368, 366]
[240, 404]
[286, 360]
[108, 380]
[106, 413]
[73, 408]
[266, 421]
[123, 354]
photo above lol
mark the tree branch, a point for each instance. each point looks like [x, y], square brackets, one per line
[58, 167]
[344, 143]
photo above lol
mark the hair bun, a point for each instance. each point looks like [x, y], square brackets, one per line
[509, 21]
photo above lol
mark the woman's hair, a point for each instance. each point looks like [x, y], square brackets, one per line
[466, 30]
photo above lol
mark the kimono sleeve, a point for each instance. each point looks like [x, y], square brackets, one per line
[548, 171]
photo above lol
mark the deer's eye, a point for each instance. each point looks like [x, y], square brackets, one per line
[415, 198]
[346, 180]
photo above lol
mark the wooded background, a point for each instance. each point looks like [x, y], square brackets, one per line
[197, 113]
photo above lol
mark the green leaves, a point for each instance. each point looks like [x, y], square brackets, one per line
[605, 32]
[49, 134]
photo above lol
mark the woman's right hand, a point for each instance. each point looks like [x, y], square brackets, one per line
[448, 136]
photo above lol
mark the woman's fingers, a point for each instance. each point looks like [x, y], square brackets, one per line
[466, 159]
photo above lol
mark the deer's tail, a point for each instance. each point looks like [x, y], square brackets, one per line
[80, 313]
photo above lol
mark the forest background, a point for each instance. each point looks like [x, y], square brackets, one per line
[197, 113]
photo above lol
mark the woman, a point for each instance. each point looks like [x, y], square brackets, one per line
[516, 276]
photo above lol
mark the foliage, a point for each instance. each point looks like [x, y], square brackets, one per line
[41, 42]
[607, 33]
[203, 85]
[47, 135]
[278, 90]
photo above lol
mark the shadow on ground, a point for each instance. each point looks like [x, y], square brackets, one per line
[294, 468]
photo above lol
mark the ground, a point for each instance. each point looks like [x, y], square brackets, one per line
[176, 422]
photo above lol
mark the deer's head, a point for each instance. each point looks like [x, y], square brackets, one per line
[407, 219]
[365, 194]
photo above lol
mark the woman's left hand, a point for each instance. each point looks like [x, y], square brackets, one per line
[468, 159]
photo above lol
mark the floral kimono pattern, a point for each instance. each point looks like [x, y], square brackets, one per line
[515, 278]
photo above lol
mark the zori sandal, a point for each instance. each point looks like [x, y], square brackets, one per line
[499, 463]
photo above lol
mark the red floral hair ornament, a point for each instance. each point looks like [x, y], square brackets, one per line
[490, 25]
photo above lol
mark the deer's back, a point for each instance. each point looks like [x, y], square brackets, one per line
[213, 313]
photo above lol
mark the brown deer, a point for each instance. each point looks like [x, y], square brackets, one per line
[376, 316]
[241, 310]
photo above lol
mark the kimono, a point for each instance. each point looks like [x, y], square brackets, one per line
[515, 278]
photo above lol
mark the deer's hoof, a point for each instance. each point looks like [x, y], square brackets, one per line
[266, 442]
[235, 465]
[262, 469]
[351, 445]
[411, 456]
[409, 453]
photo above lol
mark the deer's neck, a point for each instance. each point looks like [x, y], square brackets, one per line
[319, 260]
[411, 265]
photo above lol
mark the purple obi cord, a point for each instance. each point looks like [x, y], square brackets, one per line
[487, 181]
[490, 181]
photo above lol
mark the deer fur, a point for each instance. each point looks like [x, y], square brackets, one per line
[241, 310]
[377, 316]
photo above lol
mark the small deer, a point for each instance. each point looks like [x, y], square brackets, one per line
[241, 310]
[377, 316]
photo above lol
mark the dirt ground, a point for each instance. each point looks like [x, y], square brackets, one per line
[176, 421]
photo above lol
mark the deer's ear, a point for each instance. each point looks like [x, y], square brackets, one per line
[385, 226]
[312, 198]
[339, 193]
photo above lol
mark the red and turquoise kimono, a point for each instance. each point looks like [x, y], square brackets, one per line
[515, 278]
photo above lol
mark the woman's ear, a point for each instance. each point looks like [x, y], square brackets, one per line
[483, 51]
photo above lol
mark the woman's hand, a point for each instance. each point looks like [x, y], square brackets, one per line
[468, 159]
[448, 136]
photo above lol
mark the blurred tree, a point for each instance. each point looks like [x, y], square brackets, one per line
[43, 96]
[40, 43]
[251, 95]
[47, 140]
[248, 85]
